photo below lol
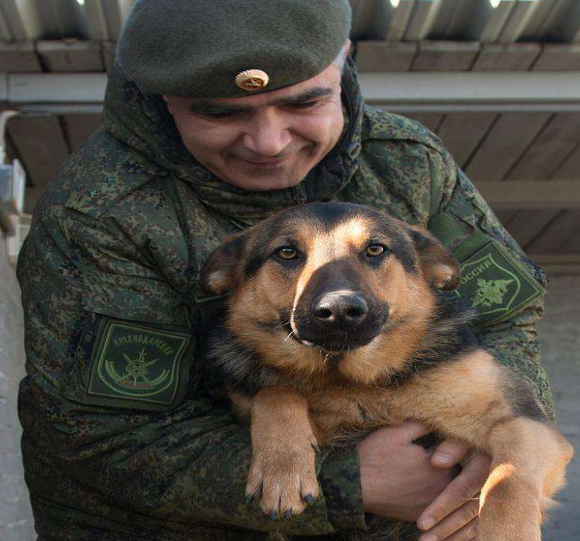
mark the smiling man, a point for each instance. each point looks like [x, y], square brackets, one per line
[265, 142]
[218, 114]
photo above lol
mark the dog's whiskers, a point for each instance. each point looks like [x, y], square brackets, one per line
[283, 324]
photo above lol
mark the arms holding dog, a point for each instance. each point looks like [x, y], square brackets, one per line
[401, 480]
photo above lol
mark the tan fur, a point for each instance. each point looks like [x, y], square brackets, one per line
[282, 467]
[463, 400]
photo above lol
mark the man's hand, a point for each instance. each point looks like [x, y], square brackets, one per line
[401, 480]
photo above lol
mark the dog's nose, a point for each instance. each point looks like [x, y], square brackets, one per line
[347, 309]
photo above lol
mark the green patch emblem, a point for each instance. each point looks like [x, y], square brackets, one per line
[136, 375]
[138, 362]
[495, 284]
[490, 292]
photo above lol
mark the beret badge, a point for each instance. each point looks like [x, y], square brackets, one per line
[252, 80]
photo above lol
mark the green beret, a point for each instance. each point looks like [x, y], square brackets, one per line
[197, 48]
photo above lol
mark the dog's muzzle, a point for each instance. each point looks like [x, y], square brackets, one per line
[339, 320]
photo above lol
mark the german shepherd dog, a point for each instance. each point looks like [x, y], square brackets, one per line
[335, 325]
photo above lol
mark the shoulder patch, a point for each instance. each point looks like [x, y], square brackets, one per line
[493, 281]
[136, 365]
[495, 284]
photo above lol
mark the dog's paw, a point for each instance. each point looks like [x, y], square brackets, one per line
[284, 480]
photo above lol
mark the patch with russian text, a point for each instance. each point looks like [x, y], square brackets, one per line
[495, 284]
[136, 362]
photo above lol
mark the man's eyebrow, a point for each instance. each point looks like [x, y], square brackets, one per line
[211, 107]
[307, 95]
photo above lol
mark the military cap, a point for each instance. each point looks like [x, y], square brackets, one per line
[230, 48]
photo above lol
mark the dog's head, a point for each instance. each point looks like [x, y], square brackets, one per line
[331, 281]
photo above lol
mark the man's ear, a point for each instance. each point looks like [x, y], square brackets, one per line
[438, 264]
[222, 272]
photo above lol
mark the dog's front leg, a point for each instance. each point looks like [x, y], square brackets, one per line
[283, 447]
[529, 461]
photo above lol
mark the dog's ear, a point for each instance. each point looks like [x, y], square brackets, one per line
[222, 272]
[438, 264]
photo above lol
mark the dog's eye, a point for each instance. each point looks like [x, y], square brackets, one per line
[375, 250]
[287, 253]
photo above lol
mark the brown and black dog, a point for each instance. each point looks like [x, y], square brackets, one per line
[334, 326]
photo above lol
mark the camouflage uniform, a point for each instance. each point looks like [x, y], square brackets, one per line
[121, 236]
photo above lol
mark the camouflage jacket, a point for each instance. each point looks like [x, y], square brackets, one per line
[139, 449]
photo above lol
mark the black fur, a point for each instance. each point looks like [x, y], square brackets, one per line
[522, 400]
[234, 365]
[449, 335]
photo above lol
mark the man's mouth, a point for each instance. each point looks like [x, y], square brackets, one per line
[269, 163]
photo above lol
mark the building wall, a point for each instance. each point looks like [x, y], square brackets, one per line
[561, 356]
[15, 515]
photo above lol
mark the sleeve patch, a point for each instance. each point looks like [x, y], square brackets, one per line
[495, 284]
[135, 362]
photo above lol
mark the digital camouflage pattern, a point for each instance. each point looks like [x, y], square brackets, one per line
[121, 236]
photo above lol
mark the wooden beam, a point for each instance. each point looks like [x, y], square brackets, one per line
[506, 56]
[526, 225]
[385, 56]
[570, 168]
[559, 57]
[80, 127]
[71, 55]
[434, 91]
[550, 149]
[505, 88]
[56, 87]
[445, 56]
[558, 263]
[18, 57]
[503, 144]
[462, 132]
[41, 145]
[555, 238]
[532, 194]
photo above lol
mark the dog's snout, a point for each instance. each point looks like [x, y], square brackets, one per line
[340, 308]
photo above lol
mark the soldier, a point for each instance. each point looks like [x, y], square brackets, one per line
[217, 115]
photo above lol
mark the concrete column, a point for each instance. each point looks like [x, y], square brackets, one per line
[16, 522]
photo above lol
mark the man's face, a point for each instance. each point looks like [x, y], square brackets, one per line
[263, 142]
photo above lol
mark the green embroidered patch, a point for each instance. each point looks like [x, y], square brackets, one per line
[138, 362]
[495, 284]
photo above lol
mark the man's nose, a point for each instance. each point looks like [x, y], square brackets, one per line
[267, 133]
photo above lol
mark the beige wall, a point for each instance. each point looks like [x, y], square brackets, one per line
[15, 515]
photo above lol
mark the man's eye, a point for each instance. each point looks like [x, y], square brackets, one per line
[221, 115]
[305, 105]
[286, 253]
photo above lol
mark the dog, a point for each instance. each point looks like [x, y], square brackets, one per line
[340, 319]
